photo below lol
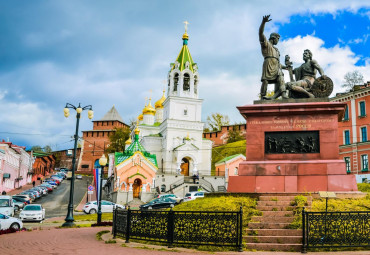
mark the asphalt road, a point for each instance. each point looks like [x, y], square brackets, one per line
[56, 202]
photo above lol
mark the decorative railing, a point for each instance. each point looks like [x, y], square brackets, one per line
[180, 227]
[206, 185]
[335, 229]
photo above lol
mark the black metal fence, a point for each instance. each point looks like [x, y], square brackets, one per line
[335, 229]
[180, 227]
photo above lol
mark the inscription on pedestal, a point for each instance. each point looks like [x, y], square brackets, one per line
[292, 142]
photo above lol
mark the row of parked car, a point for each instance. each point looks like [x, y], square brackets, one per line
[24, 203]
[170, 200]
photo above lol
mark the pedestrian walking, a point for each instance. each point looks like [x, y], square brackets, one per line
[33, 183]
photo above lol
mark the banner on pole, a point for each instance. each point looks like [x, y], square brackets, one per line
[97, 183]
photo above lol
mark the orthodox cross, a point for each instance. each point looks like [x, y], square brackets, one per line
[186, 26]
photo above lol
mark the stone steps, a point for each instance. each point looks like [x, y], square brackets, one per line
[268, 225]
[270, 231]
[274, 208]
[274, 214]
[274, 232]
[278, 203]
[274, 239]
[264, 219]
[274, 247]
[280, 198]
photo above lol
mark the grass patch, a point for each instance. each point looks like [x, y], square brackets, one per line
[111, 241]
[226, 150]
[93, 217]
[223, 203]
[100, 233]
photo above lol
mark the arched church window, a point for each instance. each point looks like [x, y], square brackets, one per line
[195, 84]
[186, 82]
[175, 82]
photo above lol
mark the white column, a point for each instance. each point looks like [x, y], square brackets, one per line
[130, 188]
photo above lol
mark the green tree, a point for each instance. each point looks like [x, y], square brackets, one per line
[117, 140]
[47, 149]
[234, 135]
[351, 79]
[36, 148]
[216, 121]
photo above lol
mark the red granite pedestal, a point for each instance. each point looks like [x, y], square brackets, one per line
[264, 172]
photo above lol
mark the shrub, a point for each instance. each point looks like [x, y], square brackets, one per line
[223, 203]
[102, 224]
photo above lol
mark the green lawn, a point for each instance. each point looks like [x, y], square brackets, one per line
[222, 203]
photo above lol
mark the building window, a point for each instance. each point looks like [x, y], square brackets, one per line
[347, 137]
[346, 114]
[363, 134]
[348, 164]
[185, 112]
[236, 171]
[365, 163]
[362, 109]
[84, 166]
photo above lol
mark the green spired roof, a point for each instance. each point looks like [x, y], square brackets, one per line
[184, 55]
[228, 158]
[131, 150]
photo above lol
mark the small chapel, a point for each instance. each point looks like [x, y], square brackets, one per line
[168, 149]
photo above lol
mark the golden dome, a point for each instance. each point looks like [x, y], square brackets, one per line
[129, 141]
[149, 109]
[137, 131]
[159, 103]
[140, 117]
[185, 36]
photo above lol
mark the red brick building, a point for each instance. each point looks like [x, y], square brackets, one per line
[63, 158]
[220, 137]
[96, 141]
[44, 164]
[354, 143]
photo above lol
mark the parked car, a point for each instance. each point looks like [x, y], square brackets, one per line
[57, 177]
[193, 195]
[33, 212]
[106, 206]
[158, 203]
[78, 176]
[47, 186]
[29, 194]
[6, 205]
[18, 204]
[52, 183]
[20, 197]
[7, 222]
[172, 196]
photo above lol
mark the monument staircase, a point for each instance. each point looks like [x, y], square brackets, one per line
[271, 231]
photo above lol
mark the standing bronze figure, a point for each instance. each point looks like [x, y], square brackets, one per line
[272, 69]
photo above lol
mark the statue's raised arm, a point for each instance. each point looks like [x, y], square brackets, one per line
[265, 19]
[271, 69]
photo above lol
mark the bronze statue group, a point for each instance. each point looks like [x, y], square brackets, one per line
[305, 84]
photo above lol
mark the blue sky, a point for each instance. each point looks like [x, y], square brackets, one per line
[108, 53]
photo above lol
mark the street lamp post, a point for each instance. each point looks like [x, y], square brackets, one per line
[102, 163]
[69, 219]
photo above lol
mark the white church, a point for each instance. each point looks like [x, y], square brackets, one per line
[172, 130]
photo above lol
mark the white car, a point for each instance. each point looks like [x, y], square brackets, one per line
[106, 206]
[193, 195]
[172, 196]
[7, 222]
[32, 212]
[6, 205]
